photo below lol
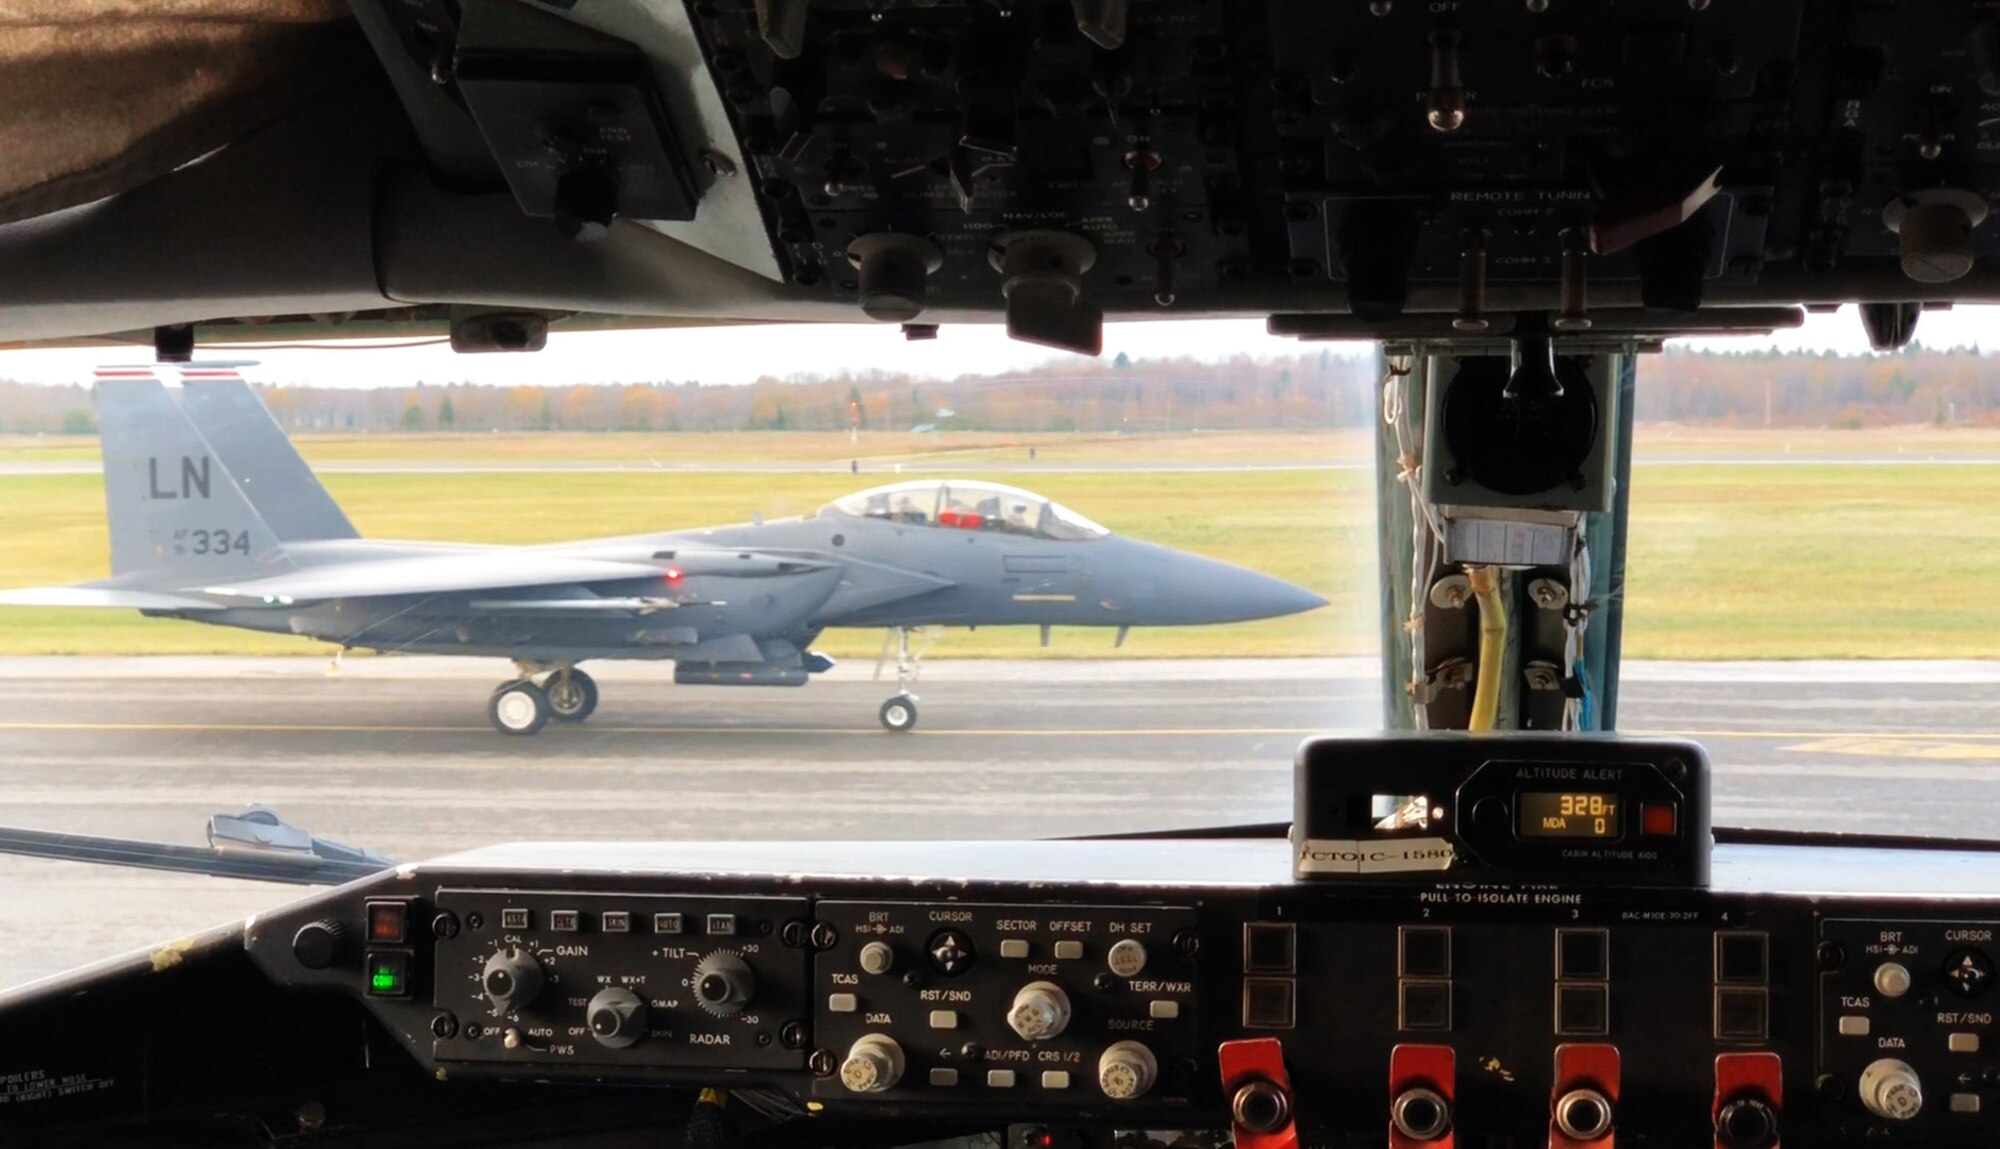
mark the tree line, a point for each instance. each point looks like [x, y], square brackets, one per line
[1314, 389]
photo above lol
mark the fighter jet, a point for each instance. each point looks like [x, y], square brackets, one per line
[215, 518]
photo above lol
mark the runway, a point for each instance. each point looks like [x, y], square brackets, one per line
[396, 755]
[878, 470]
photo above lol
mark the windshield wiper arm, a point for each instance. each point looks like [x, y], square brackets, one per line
[1190, 833]
[256, 845]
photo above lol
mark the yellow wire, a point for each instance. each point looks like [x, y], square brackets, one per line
[1492, 643]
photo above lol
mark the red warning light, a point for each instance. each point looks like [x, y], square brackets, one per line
[673, 574]
[1659, 819]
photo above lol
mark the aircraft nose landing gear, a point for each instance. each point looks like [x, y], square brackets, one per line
[899, 714]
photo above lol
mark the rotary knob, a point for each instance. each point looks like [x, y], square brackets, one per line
[616, 1017]
[723, 983]
[1889, 1088]
[874, 1064]
[1040, 1011]
[511, 979]
[319, 944]
[1127, 1070]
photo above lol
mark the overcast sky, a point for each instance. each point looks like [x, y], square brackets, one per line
[741, 354]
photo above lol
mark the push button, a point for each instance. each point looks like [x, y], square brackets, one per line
[722, 925]
[1055, 1079]
[1853, 1025]
[1163, 1010]
[842, 1003]
[615, 922]
[1267, 1003]
[1424, 951]
[1742, 1013]
[1423, 1005]
[944, 1019]
[1069, 950]
[389, 974]
[1013, 947]
[1583, 955]
[1000, 1078]
[1270, 947]
[1742, 957]
[1962, 1043]
[1583, 1010]
[564, 921]
[388, 923]
[944, 1077]
[514, 919]
[668, 923]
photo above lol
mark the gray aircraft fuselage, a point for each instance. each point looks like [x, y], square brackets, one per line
[795, 578]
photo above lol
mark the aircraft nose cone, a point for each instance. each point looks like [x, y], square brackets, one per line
[1189, 590]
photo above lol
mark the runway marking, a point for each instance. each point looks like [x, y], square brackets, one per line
[1940, 743]
[1815, 735]
[1899, 747]
[273, 728]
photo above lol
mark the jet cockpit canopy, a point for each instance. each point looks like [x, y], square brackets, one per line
[970, 506]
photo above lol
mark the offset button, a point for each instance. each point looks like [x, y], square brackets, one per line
[1163, 1010]
[1000, 1078]
[842, 1003]
[1069, 951]
[944, 1019]
[944, 1077]
[1055, 1079]
[1267, 1003]
[1013, 947]
[1423, 1005]
[1742, 1013]
[1583, 1010]
[1270, 947]
[1424, 951]
[1853, 1025]
[1583, 955]
[1963, 1043]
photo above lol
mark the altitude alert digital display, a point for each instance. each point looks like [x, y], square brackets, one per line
[1568, 814]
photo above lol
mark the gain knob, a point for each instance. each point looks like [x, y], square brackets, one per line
[1889, 1088]
[723, 983]
[1040, 1011]
[511, 979]
[873, 1064]
[616, 1017]
[1127, 1070]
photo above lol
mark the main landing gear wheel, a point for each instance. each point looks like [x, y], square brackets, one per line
[518, 708]
[899, 714]
[572, 695]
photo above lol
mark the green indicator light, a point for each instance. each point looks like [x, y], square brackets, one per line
[384, 980]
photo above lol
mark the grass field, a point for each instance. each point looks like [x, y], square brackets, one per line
[1726, 561]
[877, 449]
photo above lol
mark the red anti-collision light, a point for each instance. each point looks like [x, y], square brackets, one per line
[673, 574]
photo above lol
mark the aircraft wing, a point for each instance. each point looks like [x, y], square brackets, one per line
[103, 596]
[431, 574]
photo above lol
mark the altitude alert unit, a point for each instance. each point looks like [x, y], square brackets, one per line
[1597, 811]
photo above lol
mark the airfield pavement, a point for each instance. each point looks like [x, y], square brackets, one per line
[396, 754]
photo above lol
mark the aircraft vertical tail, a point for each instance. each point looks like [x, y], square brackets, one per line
[281, 488]
[172, 506]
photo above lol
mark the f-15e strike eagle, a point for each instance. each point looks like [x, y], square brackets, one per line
[216, 518]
